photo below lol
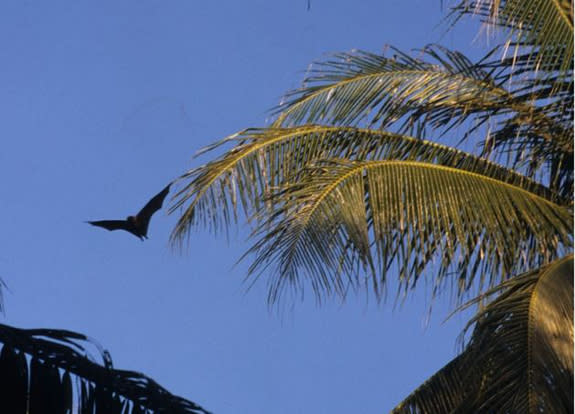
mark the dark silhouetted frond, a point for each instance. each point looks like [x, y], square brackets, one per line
[50, 371]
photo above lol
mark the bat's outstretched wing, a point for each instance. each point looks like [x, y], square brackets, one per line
[111, 224]
[153, 205]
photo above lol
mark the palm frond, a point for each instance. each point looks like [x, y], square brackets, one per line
[544, 27]
[544, 137]
[520, 355]
[264, 160]
[528, 118]
[535, 320]
[48, 370]
[351, 88]
[539, 142]
[444, 392]
[409, 212]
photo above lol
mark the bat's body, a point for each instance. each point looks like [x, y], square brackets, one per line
[138, 224]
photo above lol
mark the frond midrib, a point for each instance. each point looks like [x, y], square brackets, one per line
[563, 15]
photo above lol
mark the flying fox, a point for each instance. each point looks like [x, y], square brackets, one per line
[138, 224]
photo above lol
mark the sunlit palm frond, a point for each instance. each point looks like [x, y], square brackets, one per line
[51, 371]
[520, 356]
[444, 392]
[343, 221]
[261, 161]
[534, 317]
[356, 87]
[545, 27]
[402, 93]
[264, 160]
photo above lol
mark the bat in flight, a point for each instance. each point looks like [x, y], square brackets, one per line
[138, 224]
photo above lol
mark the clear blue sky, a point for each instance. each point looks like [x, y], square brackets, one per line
[103, 103]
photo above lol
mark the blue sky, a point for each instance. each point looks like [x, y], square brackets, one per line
[104, 103]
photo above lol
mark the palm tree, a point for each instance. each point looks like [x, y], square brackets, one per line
[52, 371]
[353, 183]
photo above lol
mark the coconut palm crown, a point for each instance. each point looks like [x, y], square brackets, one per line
[354, 182]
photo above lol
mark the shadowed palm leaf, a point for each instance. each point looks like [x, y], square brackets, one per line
[520, 355]
[50, 371]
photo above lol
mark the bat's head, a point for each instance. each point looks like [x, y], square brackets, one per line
[131, 220]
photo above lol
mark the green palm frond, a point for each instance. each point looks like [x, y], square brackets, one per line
[442, 92]
[541, 140]
[444, 392]
[409, 213]
[264, 160]
[535, 315]
[402, 93]
[519, 358]
[544, 27]
[356, 87]
[51, 371]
